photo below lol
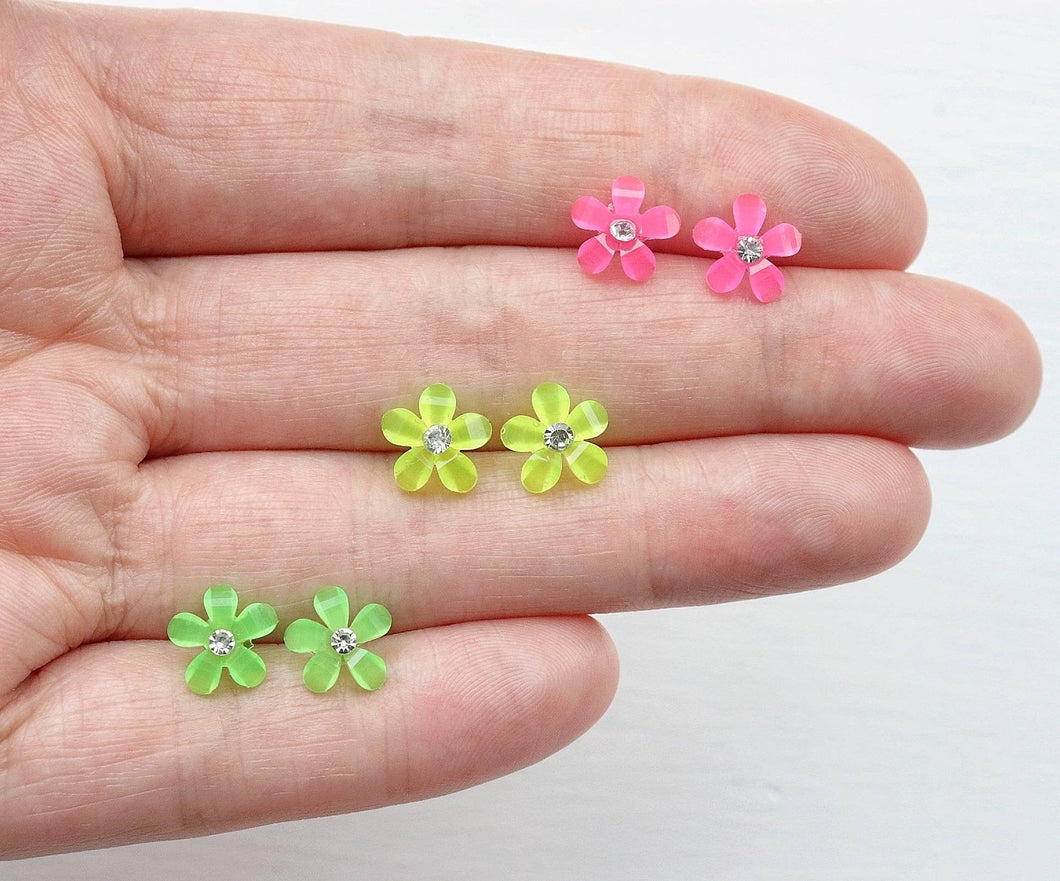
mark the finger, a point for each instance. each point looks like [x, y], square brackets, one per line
[147, 759]
[347, 138]
[669, 525]
[295, 351]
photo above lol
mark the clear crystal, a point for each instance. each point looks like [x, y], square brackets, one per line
[749, 249]
[344, 640]
[623, 230]
[221, 642]
[437, 439]
[559, 436]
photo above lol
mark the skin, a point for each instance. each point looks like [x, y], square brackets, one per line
[226, 250]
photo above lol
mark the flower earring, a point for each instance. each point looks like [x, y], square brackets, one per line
[225, 639]
[338, 641]
[436, 441]
[558, 432]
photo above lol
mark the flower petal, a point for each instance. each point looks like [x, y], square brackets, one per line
[542, 470]
[255, 621]
[638, 262]
[413, 469]
[749, 212]
[403, 428]
[456, 471]
[470, 431]
[660, 222]
[782, 240]
[245, 667]
[371, 622]
[437, 405]
[220, 602]
[595, 254]
[725, 274]
[333, 607]
[767, 282]
[714, 234]
[524, 434]
[306, 635]
[590, 213]
[204, 672]
[321, 671]
[588, 419]
[551, 404]
[587, 462]
[369, 670]
[627, 195]
[188, 630]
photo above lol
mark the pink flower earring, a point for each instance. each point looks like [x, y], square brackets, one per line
[622, 229]
[744, 250]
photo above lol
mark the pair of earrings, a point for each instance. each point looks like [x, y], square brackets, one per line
[623, 229]
[227, 641]
[438, 440]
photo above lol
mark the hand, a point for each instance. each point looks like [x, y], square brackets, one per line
[171, 419]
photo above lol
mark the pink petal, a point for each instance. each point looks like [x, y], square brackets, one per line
[590, 213]
[782, 240]
[627, 194]
[749, 212]
[714, 234]
[767, 282]
[725, 274]
[594, 254]
[660, 222]
[639, 262]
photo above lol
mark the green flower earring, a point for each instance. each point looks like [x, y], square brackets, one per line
[225, 639]
[337, 641]
[558, 433]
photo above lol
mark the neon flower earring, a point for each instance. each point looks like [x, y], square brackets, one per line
[558, 432]
[622, 229]
[436, 441]
[745, 250]
[225, 639]
[338, 641]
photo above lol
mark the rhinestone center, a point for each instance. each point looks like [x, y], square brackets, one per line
[623, 230]
[437, 439]
[559, 436]
[344, 640]
[221, 642]
[749, 249]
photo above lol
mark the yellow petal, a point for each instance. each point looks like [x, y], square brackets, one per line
[437, 405]
[587, 462]
[470, 431]
[588, 420]
[551, 403]
[456, 471]
[542, 470]
[524, 434]
[403, 428]
[413, 469]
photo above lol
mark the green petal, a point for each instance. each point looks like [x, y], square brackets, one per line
[369, 670]
[254, 622]
[551, 403]
[587, 462]
[220, 602]
[470, 431]
[371, 622]
[542, 470]
[588, 419]
[306, 635]
[456, 471]
[322, 671]
[413, 469]
[524, 434]
[245, 666]
[204, 672]
[188, 630]
[437, 405]
[403, 428]
[333, 607]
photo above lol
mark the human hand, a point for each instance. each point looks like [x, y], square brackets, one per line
[171, 420]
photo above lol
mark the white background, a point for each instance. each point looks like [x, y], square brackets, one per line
[906, 727]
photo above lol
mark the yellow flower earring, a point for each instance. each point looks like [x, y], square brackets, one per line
[436, 441]
[556, 434]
